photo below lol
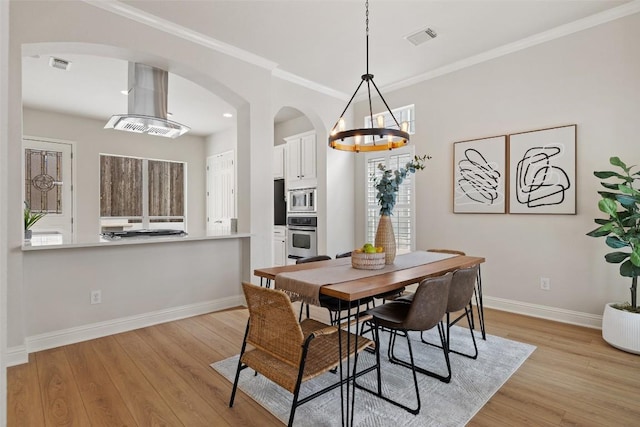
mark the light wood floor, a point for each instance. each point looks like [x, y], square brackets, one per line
[160, 376]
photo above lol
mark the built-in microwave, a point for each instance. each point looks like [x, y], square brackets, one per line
[301, 200]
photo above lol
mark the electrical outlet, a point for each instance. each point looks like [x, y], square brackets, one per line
[545, 283]
[96, 297]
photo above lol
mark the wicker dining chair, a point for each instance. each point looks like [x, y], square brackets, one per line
[287, 352]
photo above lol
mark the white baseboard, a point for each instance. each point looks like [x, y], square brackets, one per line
[20, 354]
[544, 312]
[17, 355]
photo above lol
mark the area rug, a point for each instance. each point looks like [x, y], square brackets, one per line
[454, 404]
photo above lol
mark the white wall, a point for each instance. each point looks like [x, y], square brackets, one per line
[222, 141]
[4, 142]
[91, 140]
[291, 127]
[590, 78]
[134, 280]
[48, 290]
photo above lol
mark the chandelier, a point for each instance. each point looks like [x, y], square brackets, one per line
[377, 137]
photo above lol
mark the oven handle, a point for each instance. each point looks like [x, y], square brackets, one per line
[302, 229]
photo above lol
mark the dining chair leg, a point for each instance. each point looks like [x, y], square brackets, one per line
[376, 338]
[240, 367]
[443, 340]
[480, 304]
[411, 365]
[467, 314]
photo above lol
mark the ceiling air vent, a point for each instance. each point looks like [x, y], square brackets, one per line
[421, 36]
[61, 64]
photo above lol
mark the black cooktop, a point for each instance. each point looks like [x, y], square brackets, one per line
[142, 233]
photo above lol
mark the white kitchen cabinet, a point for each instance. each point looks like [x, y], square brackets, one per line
[301, 161]
[279, 245]
[278, 161]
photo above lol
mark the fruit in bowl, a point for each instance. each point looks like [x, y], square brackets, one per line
[368, 248]
[368, 257]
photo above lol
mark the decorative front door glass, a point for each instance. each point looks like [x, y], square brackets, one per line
[43, 180]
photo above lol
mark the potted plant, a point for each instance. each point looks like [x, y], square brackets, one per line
[30, 218]
[388, 185]
[621, 202]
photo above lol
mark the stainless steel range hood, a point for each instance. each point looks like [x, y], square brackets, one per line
[147, 104]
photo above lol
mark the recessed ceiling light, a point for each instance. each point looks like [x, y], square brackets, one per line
[169, 114]
[227, 115]
[124, 92]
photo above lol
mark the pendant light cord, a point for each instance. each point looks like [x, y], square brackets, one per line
[367, 32]
[369, 76]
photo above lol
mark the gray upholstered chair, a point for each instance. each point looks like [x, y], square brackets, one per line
[460, 294]
[422, 314]
[477, 292]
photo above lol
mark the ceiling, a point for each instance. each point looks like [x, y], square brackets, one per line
[322, 42]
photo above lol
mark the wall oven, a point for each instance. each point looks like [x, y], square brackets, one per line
[301, 201]
[302, 238]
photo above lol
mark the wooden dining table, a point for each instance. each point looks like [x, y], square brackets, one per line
[353, 290]
[357, 289]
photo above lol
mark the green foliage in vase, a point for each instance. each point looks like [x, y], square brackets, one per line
[30, 218]
[621, 202]
[389, 182]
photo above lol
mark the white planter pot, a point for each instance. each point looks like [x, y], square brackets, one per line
[621, 329]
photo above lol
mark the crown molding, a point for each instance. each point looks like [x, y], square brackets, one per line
[169, 27]
[293, 78]
[185, 33]
[556, 33]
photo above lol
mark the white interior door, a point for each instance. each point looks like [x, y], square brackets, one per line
[221, 201]
[48, 185]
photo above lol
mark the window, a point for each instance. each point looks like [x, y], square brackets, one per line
[402, 218]
[402, 114]
[141, 193]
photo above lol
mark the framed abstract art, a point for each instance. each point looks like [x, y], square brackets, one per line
[542, 171]
[479, 175]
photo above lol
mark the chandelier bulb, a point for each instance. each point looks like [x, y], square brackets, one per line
[380, 120]
[404, 126]
[341, 125]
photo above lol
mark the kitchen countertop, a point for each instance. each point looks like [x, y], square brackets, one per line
[46, 242]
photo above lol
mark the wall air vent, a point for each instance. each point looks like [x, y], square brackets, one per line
[61, 64]
[421, 36]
